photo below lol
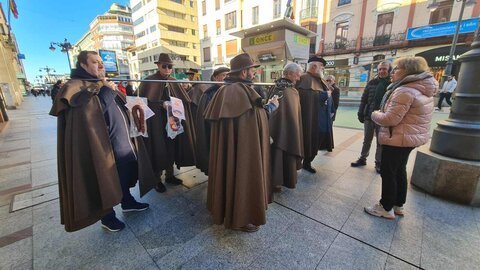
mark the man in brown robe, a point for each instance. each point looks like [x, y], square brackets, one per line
[202, 127]
[286, 130]
[239, 169]
[164, 151]
[97, 161]
[314, 93]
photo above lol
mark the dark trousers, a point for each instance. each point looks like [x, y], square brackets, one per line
[370, 129]
[394, 175]
[445, 96]
[126, 173]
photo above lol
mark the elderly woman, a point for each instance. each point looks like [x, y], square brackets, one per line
[404, 119]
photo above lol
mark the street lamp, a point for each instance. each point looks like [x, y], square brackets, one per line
[65, 48]
[47, 70]
[432, 7]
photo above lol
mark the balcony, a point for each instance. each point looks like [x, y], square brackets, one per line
[383, 40]
[309, 13]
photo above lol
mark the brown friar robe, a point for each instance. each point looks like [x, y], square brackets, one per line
[88, 180]
[310, 89]
[239, 169]
[195, 93]
[163, 150]
[287, 134]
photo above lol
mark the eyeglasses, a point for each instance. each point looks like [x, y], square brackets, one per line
[396, 68]
[328, 80]
[167, 66]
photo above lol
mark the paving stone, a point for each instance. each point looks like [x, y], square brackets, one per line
[347, 253]
[407, 240]
[301, 246]
[395, 264]
[332, 209]
[14, 223]
[350, 186]
[373, 230]
[17, 255]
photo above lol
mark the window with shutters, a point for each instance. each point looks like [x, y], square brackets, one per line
[206, 54]
[442, 13]
[205, 31]
[217, 4]
[231, 47]
[230, 20]
[255, 15]
[219, 54]
[384, 29]
[204, 8]
[218, 26]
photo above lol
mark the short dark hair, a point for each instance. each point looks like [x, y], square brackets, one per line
[83, 56]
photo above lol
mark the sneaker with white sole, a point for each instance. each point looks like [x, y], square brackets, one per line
[378, 211]
[399, 210]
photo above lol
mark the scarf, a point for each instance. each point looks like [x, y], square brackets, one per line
[393, 86]
[380, 91]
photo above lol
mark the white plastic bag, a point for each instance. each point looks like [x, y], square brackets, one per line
[139, 106]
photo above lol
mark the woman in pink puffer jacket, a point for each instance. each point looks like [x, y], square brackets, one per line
[404, 119]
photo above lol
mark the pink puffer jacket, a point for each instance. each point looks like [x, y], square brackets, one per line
[405, 120]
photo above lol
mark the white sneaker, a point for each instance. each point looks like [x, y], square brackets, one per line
[398, 210]
[378, 211]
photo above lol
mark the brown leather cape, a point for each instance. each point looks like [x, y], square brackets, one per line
[163, 150]
[287, 134]
[309, 87]
[239, 169]
[89, 186]
[195, 93]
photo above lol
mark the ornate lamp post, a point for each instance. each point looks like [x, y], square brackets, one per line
[65, 48]
[450, 168]
[47, 70]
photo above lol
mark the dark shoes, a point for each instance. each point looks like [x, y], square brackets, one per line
[249, 228]
[135, 207]
[173, 181]
[160, 187]
[377, 168]
[113, 225]
[358, 163]
[308, 167]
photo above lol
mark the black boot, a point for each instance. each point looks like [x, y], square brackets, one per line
[360, 162]
[160, 187]
[173, 180]
[308, 167]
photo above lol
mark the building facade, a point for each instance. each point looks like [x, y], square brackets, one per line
[112, 31]
[12, 72]
[357, 34]
[228, 27]
[164, 26]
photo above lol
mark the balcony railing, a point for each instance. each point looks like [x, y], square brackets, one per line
[309, 13]
[345, 46]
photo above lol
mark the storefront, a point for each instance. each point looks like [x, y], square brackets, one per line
[274, 44]
[437, 59]
[340, 69]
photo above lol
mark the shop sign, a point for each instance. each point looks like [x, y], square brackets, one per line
[109, 59]
[337, 63]
[442, 29]
[301, 40]
[261, 39]
[438, 57]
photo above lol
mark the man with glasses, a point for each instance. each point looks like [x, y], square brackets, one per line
[164, 151]
[371, 99]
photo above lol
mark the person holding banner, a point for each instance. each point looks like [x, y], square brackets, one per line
[98, 162]
[163, 149]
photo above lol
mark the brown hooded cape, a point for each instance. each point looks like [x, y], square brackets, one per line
[163, 150]
[287, 134]
[239, 170]
[89, 186]
[309, 88]
[195, 94]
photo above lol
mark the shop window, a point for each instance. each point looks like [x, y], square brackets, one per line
[384, 29]
[341, 34]
[442, 13]
[255, 15]
[230, 20]
[344, 2]
[204, 8]
[217, 4]
[277, 8]
[206, 54]
[218, 26]
[231, 47]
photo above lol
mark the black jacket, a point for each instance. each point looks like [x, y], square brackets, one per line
[367, 103]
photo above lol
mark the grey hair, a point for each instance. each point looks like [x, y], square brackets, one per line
[331, 77]
[291, 67]
[385, 63]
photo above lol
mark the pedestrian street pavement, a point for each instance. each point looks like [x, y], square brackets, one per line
[319, 225]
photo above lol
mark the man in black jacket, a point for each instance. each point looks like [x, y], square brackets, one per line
[371, 99]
